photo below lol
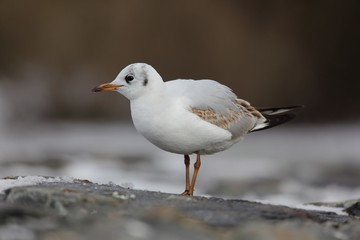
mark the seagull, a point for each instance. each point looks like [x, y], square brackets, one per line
[186, 116]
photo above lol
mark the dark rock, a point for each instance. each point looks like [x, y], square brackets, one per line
[260, 187]
[84, 210]
[354, 210]
[294, 230]
[349, 231]
[11, 211]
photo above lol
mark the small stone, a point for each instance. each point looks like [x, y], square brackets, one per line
[123, 196]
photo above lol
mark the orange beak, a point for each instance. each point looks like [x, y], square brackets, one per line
[106, 87]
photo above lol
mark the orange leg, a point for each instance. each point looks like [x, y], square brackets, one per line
[196, 171]
[187, 175]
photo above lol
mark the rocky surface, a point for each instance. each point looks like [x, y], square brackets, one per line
[80, 209]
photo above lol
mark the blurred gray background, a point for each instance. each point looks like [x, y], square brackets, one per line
[271, 53]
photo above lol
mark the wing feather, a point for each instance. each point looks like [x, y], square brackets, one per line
[203, 94]
[217, 104]
[237, 122]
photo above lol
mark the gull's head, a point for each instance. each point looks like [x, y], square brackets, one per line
[133, 81]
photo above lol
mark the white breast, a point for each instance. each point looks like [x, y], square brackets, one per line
[166, 122]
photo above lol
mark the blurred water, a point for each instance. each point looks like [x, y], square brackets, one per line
[283, 165]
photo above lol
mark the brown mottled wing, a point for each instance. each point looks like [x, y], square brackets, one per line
[238, 121]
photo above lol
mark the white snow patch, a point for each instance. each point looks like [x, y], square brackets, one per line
[308, 207]
[30, 180]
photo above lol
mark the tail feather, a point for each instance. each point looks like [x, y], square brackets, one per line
[275, 116]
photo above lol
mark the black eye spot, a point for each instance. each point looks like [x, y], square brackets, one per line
[129, 78]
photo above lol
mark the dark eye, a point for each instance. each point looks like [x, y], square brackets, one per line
[129, 78]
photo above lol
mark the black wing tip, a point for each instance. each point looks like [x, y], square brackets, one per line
[276, 109]
[276, 116]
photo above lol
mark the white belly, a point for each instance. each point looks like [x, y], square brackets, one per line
[172, 128]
